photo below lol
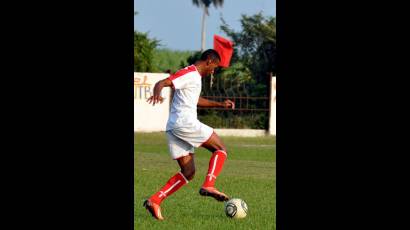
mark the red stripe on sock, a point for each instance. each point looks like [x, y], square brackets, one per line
[173, 184]
[215, 167]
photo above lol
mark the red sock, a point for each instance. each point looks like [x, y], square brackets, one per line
[173, 184]
[215, 167]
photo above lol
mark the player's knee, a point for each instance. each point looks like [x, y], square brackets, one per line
[222, 148]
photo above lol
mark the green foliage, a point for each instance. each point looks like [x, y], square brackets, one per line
[236, 120]
[254, 53]
[173, 60]
[255, 45]
[253, 58]
[238, 73]
[144, 52]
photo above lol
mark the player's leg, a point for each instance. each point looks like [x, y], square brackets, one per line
[187, 165]
[176, 181]
[183, 153]
[214, 143]
[219, 155]
[203, 135]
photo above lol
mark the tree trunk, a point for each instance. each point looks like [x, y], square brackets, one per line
[203, 29]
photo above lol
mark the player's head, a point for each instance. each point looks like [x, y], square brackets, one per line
[211, 59]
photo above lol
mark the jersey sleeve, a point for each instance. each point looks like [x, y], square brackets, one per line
[181, 79]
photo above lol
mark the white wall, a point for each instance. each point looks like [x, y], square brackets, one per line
[148, 118]
[241, 132]
[272, 120]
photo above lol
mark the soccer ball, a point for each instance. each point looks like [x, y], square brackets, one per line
[236, 208]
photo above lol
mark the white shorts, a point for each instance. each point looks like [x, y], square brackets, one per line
[182, 141]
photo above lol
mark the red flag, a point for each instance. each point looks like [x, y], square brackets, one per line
[224, 48]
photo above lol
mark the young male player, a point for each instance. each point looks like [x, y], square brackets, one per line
[185, 131]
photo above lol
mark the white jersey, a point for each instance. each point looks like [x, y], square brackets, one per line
[187, 84]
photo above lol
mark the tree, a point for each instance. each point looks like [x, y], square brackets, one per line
[205, 4]
[254, 53]
[255, 46]
[170, 60]
[144, 52]
[253, 58]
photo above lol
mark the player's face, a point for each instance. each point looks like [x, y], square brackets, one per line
[212, 66]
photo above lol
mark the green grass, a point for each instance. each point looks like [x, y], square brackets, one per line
[249, 173]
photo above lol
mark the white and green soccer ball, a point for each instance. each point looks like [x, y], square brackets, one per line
[236, 208]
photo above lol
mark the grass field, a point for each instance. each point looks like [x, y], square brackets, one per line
[249, 173]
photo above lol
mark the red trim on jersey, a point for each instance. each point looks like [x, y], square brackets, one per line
[181, 72]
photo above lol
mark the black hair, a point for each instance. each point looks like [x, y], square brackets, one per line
[210, 54]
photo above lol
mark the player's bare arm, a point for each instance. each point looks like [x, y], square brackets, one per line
[208, 103]
[156, 98]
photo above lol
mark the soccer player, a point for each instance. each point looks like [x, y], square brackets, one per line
[184, 131]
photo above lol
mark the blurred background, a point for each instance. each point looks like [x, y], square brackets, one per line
[170, 35]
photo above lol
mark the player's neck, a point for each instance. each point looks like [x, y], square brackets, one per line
[199, 66]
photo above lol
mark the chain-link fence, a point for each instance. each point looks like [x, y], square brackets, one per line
[251, 107]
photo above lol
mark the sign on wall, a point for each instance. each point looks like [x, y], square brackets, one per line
[148, 118]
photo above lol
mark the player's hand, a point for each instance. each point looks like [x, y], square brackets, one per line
[229, 104]
[155, 100]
